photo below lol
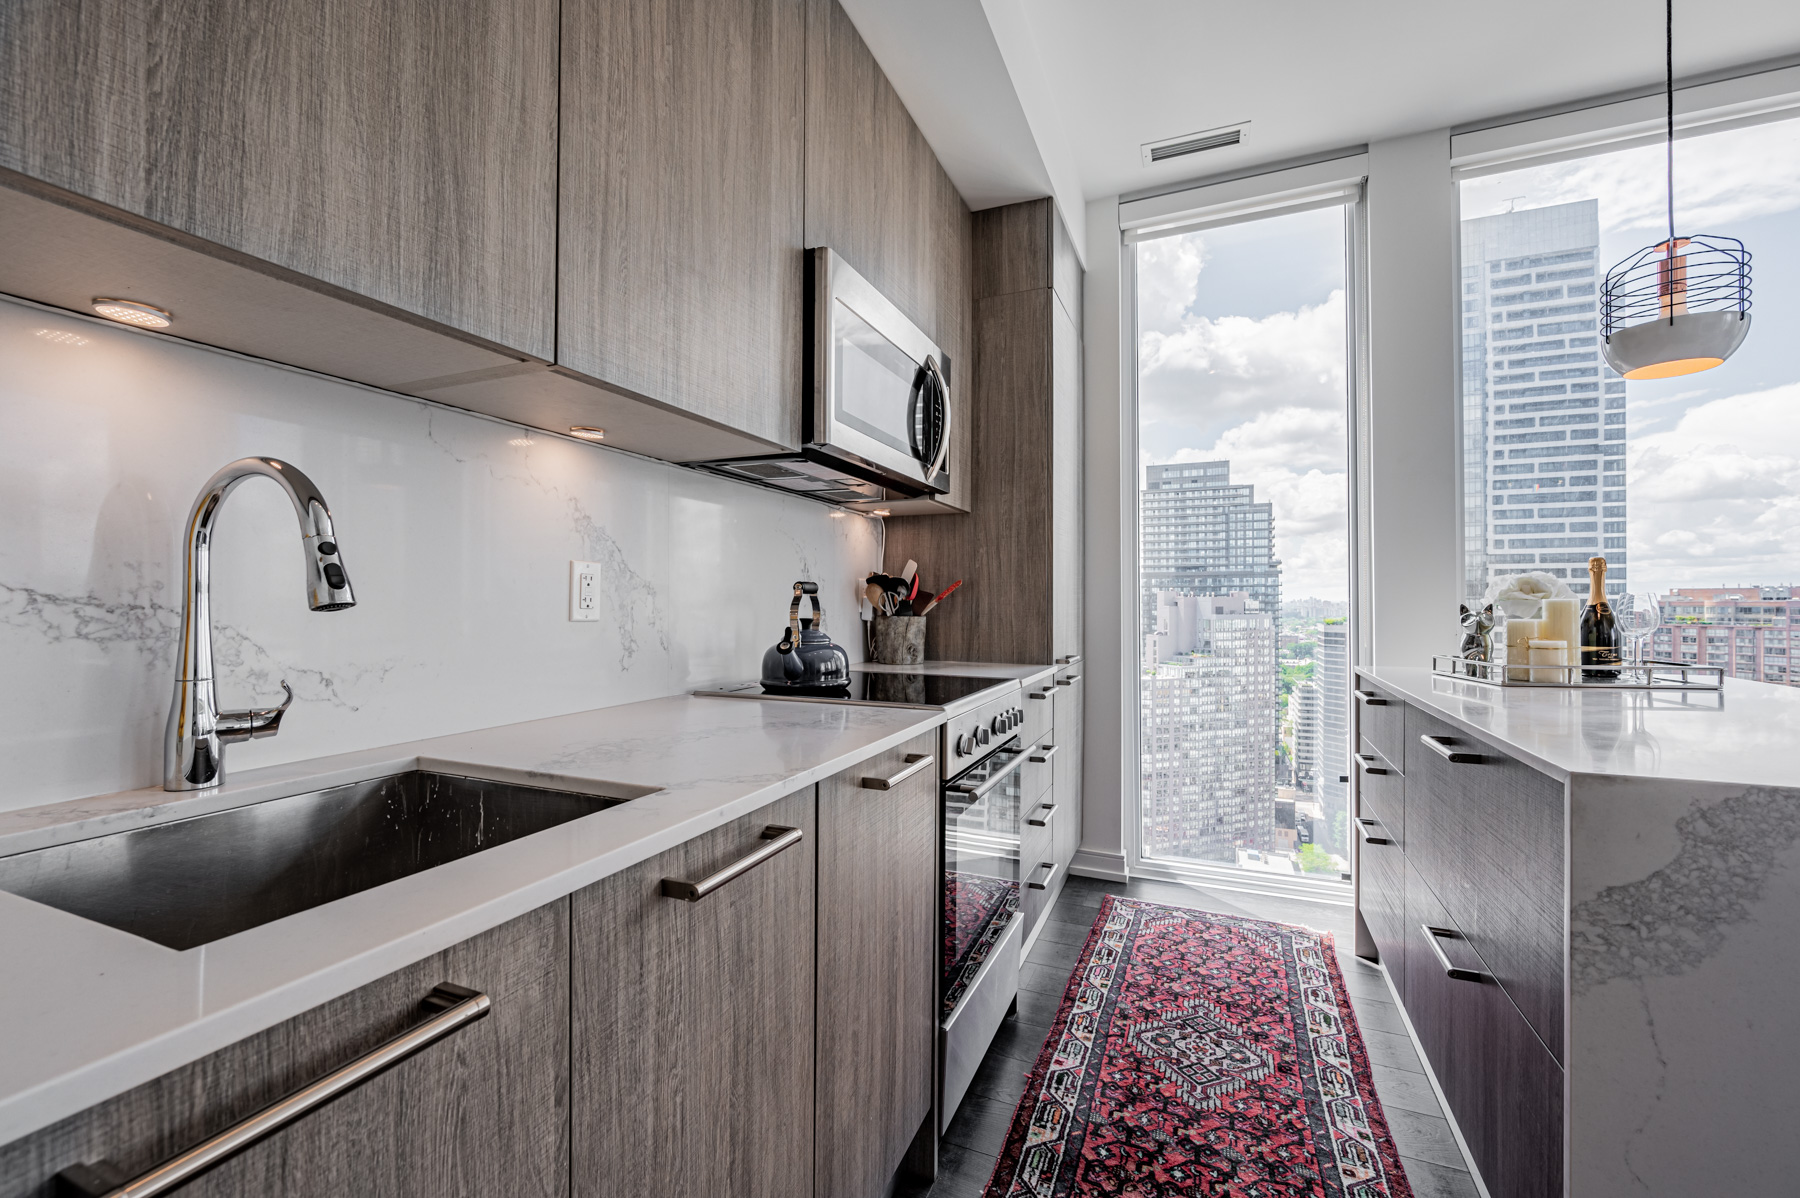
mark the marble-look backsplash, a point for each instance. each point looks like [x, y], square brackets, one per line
[457, 532]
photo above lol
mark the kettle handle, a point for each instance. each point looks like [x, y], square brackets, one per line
[806, 590]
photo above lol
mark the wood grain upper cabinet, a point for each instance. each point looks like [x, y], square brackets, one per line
[483, 1111]
[692, 1022]
[404, 152]
[876, 193]
[1019, 549]
[878, 923]
[681, 270]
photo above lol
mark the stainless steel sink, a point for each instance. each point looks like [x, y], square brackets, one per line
[193, 881]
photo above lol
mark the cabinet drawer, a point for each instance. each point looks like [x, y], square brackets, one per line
[1381, 896]
[1037, 864]
[1485, 833]
[1381, 720]
[1502, 1084]
[481, 1111]
[1382, 794]
[1040, 710]
[1039, 768]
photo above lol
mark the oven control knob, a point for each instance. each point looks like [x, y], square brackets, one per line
[962, 746]
[1018, 717]
[998, 726]
[981, 736]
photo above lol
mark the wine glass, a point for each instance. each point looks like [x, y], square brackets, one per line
[1641, 617]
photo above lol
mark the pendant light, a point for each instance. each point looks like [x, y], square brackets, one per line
[1681, 305]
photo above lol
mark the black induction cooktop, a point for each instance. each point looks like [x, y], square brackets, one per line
[902, 690]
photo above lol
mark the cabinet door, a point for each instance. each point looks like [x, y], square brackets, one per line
[404, 152]
[1066, 767]
[1486, 833]
[482, 1112]
[1065, 492]
[681, 270]
[877, 993]
[1504, 1088]
[693, 1021]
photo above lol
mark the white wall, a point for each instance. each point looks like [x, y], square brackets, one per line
[457, 532]
[1410, 541]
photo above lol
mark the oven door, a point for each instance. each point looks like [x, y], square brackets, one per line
[981, 865]
[880, 392]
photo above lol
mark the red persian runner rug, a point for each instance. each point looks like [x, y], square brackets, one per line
[1200, 1054]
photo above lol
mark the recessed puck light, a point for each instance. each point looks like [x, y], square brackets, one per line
[880, 511]
[587, 432]
[144, 316]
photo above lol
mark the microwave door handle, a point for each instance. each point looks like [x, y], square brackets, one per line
[942, 390]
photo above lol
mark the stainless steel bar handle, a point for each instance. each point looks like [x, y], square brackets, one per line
[1445, 747]
[1367, 761]
[1041, 816]
[1372, 699]
[1006, 771]
[1071, 680]
[1070, 660]
[914, 763]
[1048, 690]
[1369, 829]
[1043, 753]
[780, 839]
[1045, 884]
[456, 1007]
[1432, 936]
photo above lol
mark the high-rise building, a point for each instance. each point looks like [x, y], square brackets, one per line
[1304, 706]
[1203, 534]
[1333, 762]
[1209, 727]
[1750, 631]
[1543, 415]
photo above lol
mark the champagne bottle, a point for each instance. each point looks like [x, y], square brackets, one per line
[1599, 627]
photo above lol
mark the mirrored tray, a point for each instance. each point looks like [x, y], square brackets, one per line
[1640, 676]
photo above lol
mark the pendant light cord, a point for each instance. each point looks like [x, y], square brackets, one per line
[1669, 68]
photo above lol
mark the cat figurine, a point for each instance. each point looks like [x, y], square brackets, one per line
[1478, 637]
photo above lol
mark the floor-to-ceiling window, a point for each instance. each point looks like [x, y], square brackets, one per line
[1689, 486]
[1243, 679]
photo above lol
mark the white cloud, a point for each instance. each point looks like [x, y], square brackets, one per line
[1719, 178]
[1168, 276]
[1715, 500]
[1205, 371]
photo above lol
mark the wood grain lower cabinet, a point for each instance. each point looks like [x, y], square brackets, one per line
[1065, 768]
[878, 945]
[484, 1111]
[692, 1022]
[1504, 1088]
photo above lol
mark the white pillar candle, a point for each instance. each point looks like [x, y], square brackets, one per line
[1548, 653]
[1562, 621]
[1518, 646]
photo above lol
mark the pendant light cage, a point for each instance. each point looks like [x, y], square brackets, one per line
[1695, 274]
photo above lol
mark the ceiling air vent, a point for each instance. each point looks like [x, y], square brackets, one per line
[1194, 143]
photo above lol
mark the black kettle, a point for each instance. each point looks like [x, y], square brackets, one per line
[805, 661]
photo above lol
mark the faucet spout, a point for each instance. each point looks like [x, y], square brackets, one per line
[197, 733]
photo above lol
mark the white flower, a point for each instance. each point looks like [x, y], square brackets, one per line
[1520, 595]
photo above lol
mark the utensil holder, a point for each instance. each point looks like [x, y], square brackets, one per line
[897, 640]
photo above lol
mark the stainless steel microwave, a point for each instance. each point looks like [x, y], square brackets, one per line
[878, 410]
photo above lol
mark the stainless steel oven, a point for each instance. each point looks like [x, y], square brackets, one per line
[981, 943]
[878, 405]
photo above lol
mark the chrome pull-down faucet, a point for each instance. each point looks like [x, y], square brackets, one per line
[194, 743]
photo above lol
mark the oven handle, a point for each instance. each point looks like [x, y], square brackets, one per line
[942, 390]
[1012, 767]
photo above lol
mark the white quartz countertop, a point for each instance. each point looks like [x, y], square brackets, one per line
[1748, 733]
[87, 1012]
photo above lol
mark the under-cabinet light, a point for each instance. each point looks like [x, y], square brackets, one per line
[144, 316]
[587, 432]
[880, 511]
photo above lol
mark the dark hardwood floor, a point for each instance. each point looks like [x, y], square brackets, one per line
[1434, 1164]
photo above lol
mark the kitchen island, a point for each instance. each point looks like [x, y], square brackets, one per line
[1588, 903]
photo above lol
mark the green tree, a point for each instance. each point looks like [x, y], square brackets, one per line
[1315, 860]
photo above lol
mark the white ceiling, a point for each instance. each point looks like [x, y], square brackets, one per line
[1029, 97]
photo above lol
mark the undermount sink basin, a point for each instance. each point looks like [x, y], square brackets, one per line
[190, 882]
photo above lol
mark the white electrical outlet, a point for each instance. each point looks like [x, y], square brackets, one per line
[584, 590]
